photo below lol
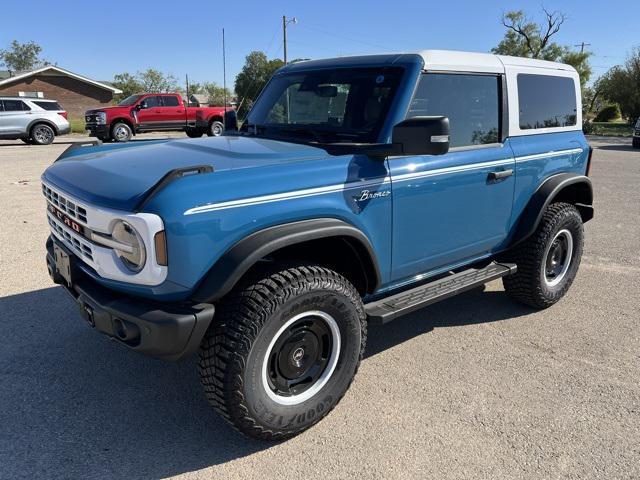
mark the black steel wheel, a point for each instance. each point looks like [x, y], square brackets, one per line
[547, 261]
[283, 351]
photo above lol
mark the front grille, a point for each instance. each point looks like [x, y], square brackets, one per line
[91, 118]
[79, 244]
[64, 204]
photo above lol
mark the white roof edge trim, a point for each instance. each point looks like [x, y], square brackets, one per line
[61, 70]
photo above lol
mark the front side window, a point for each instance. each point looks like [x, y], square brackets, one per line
[338, 105]
[151, 102]
[130, 100]
[546, 102]
[15, 106]
[471, 102]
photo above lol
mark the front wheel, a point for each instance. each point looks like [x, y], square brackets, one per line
[215, 129]
[121, 132]
[547, 261]
[283, 351]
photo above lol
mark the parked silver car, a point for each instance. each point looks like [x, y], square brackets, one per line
[35, 121]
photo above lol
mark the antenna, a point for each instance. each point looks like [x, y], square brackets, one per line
[224, 74]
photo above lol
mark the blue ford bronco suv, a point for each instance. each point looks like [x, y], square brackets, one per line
[357, 190]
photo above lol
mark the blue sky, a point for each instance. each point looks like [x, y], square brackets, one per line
[100, 39]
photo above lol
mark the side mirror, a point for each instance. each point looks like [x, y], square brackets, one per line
[422, 136]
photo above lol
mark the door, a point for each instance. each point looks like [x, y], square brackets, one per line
[173, 112]
[449, 209]
[150, 113]
[14, 117]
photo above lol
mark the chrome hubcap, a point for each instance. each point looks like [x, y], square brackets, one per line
[121, 133]
[301, 357]
[558, 258]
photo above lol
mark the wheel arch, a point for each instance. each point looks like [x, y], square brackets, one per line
[37, 121]
[329, 241]
[563, 187]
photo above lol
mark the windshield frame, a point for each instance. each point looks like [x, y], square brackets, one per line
[316, 131]
[126, 102]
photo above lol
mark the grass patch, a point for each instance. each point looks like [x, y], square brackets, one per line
[77, 125]
[612, 129]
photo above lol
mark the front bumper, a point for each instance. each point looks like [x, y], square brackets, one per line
[165, 330]
[96, 130]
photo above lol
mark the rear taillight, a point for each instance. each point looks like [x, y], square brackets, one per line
[63, 114]
[589, 160]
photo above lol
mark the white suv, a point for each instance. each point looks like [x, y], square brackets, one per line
[33, 120]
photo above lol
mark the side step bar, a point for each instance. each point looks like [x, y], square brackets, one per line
[389, 308]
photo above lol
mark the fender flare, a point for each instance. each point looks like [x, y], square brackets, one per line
[45, 121]
[238, 259]
[577, 190]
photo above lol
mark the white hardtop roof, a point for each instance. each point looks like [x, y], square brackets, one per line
[452, 60]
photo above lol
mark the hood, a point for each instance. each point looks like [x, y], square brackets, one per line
[106, 109]
[117, 176]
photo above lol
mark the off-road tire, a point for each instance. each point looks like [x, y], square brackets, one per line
[42, 134]
[126, 134]
[528, 284]
[248, 319]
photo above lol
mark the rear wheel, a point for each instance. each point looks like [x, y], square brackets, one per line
[284, 350]
[121, 132]
[42, 134]
[547, 261]
[193, 133]
[215, 129]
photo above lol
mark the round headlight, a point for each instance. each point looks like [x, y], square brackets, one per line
[132, 255]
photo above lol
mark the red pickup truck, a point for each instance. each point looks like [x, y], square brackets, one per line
[152, 112]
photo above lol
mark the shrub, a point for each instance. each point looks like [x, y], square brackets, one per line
[608, 113]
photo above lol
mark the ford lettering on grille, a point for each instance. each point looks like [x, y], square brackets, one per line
[72, 224]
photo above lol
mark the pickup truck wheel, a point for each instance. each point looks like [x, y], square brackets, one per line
[42, 134]
[215, 129]
[283, 351]
[547, 261]
[121, 132]
[193, 133]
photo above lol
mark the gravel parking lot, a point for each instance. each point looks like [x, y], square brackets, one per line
[474, 387]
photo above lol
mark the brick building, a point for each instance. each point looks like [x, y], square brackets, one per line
[75, 93]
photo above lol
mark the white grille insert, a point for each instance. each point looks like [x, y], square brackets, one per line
[72, 209]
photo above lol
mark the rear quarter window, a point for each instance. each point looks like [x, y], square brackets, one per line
[170, 101]
[49, 105]
[546, 101]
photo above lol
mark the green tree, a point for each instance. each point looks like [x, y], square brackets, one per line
[154, 81]
[216, 93]
[195, 88]
[22, 56]
[621, 85]
[255, 74]
[526, 38]
[128, 83]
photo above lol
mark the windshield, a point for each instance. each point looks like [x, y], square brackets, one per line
[325, 106]
[129, 101]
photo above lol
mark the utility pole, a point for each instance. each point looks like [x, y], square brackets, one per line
[286, 22]
[582, 45]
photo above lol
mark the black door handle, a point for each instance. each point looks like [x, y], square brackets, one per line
[500, 174]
